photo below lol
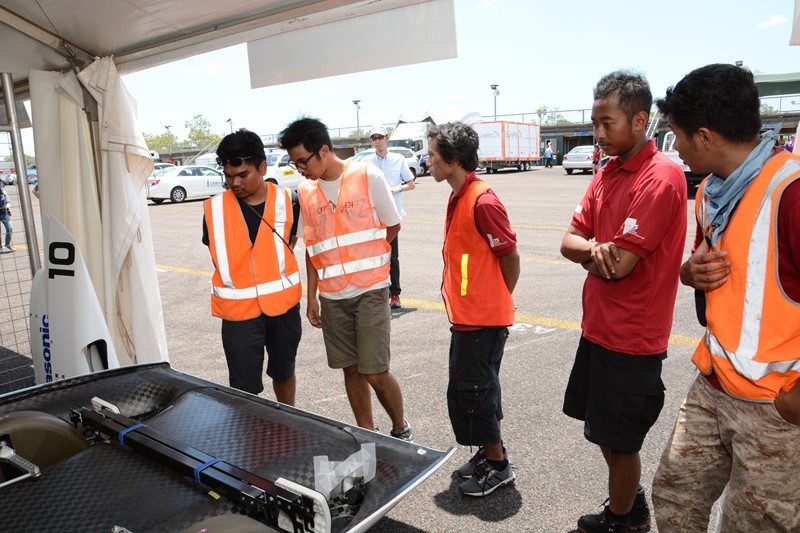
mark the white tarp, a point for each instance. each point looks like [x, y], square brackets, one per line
[110, 224]
[794, 39]
[409, 34]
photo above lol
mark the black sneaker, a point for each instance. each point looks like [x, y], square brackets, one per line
[639, 516]
[467, 469]
[603, 523]
[405, 433]
[486, 480]
[640, 513]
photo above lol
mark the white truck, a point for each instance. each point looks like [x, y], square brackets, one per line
[411, 135]
[505, 144]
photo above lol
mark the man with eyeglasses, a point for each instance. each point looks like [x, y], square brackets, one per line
[400, 178]
[348, 218]
[256, 283]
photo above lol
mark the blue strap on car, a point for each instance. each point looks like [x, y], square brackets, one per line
[121, 434]
[200, 468]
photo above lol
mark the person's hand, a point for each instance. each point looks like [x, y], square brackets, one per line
[605, 256]
[788, 404]
[312, 312]
[397, 189]
[705, 270]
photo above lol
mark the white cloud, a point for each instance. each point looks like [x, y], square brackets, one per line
[775, 20]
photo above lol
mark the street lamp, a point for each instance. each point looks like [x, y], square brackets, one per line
[358, 120]
[495, 92]
[230, 123]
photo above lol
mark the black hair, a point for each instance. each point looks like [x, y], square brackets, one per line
[308, 131]
[720, 97]
[242, 143]
[631, 88]
[456, 141]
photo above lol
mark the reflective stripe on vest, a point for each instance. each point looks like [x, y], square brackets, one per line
[262, 289]
[220, 244]
[347, 239]
[743, 359]
[351, 267]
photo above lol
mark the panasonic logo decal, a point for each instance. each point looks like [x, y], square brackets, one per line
[44, 329]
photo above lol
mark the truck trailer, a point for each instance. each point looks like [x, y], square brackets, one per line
[505, 144]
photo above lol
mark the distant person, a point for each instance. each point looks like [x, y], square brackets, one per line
[738, 431]
[628, 232]
[597, 153]
[400, 178]
[348, 219]
[255, 289]
[479, 305]
[548, 155]
[5, 218]
[789, 146]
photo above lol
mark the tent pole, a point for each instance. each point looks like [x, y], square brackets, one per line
[22, 173]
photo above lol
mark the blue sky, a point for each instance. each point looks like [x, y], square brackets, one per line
[539, 53]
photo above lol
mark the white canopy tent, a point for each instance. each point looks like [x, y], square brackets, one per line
[91, 156]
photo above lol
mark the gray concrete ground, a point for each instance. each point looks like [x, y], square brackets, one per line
[559, 475]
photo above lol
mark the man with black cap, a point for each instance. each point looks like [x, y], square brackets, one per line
[400, 178]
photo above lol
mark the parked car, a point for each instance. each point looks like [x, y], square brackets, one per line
[579, 158]
[162, 166]
[411, 159]
[423, 164]
[8, 179]
[279, 172]
[182, 183]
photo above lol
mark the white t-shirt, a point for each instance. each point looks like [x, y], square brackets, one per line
[383, 209]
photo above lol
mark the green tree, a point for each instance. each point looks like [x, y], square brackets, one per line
[200, 136]
[29, 159]
[541, 111]
[165, 143]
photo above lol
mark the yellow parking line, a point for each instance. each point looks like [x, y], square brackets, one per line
[568, 325]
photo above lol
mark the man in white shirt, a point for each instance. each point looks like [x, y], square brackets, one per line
[400, 178]
[347, 219]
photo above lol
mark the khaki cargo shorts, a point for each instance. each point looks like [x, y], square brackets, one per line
[356, 331]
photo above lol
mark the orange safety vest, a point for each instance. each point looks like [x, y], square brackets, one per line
[251, 278]
[346, 245]
[473, 288]
[752, 341]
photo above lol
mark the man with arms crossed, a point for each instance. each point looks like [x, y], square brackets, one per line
[739, 426]
[400, 178]
[481, 269]
[348, 218]
[628, 232]
[256, 283]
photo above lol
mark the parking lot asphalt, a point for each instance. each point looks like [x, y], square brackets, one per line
[559, 474]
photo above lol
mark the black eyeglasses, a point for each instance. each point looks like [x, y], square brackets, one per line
[232, 161]
[377, 137]
[302, 164]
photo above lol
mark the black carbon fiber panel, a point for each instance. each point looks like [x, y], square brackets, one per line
[108, 485]
[104, 486]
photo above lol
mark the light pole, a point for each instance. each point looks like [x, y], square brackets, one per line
[230, 123]
[358, 120]
[495, 92]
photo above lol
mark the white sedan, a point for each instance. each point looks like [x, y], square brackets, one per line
[183, 183]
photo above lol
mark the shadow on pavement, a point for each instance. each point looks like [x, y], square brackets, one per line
[393, 526]
[402, 311]
[504, 503]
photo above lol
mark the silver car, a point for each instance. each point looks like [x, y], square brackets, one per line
[579, 158]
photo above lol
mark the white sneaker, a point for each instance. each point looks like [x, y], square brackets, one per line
[9, 248]
[6, 250]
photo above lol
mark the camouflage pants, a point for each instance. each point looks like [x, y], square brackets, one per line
[718, 441]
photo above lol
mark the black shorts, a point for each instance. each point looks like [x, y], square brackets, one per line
[473, 392]
[244, 342]
[618, 396]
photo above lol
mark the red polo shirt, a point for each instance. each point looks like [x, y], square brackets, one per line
[640, 206]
